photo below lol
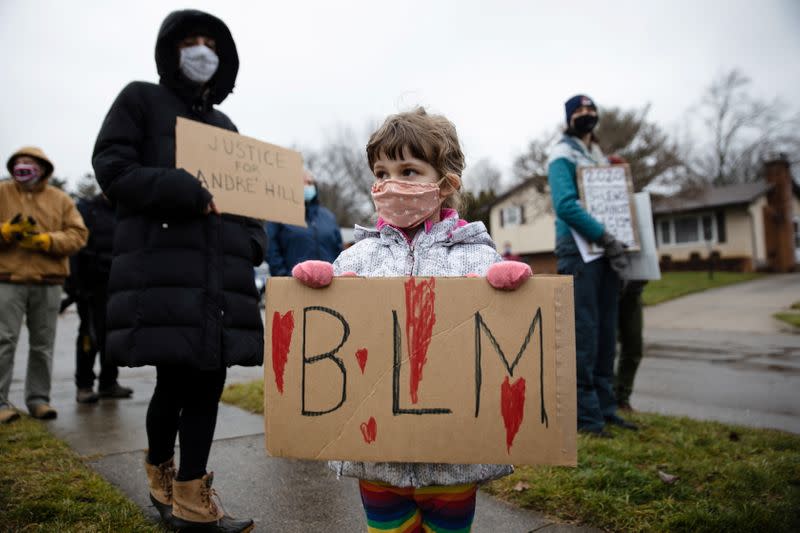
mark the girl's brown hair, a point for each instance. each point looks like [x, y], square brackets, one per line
[430, 138]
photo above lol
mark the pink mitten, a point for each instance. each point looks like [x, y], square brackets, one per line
[508, 275]
[314, 274]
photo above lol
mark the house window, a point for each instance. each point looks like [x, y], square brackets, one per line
[708, 229]
[721, 235]
[511, 216]
[665, 232]
[691, 229]
[686, 230]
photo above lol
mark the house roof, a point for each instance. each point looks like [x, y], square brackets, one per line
[512, 191]
[710, 197]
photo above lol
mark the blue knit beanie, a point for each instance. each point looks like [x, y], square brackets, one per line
[579, 100]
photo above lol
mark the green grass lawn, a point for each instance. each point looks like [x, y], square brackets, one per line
[248, 396]
[792, 316]
[45, 487]
[675, 284]
[729, 478]
[793, 319]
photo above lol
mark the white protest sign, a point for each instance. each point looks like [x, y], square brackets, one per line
[643, 265]
[607, 195]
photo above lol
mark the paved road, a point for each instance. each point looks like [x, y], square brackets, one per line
[743, 378]
[719, 355]
[280, 495]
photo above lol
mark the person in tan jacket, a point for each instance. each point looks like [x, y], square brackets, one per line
[40, 228]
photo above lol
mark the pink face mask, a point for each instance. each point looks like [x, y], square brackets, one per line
[405, 204]
[25, 172]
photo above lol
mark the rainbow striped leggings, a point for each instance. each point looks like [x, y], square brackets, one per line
[435, 509]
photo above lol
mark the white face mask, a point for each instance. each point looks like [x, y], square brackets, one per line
[198, 63]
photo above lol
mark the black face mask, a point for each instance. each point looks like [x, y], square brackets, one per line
[584, 124]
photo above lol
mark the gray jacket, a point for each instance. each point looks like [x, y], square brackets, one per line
[449, 248]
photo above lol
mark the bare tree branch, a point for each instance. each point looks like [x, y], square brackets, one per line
[343, 176]
[87, 186]
[483, 176]
[744, 130]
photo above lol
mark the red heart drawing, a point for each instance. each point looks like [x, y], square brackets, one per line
[369, 430]
[512, 407]
[361, 355]
[282, 327]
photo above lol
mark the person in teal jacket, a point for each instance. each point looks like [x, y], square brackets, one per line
[596, 283]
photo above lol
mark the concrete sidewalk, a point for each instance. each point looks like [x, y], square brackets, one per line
[280, 495]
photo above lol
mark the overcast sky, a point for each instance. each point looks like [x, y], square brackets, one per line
[500, 70]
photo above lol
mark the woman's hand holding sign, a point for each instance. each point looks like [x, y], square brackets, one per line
[212, 208]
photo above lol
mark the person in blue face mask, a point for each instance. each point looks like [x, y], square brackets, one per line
[321, 239]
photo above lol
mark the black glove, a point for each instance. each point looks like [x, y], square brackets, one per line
[614, 250]
[66, 302]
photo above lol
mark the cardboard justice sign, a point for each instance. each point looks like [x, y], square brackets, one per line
[246, 176]
[444, 370]
[607, 195]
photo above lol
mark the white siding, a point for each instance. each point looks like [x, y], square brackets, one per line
[759, 252]
[738, 237]
[537, 234]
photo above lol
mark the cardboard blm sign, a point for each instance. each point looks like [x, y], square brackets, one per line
[446, 370]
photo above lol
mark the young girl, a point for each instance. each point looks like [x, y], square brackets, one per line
[417, 162]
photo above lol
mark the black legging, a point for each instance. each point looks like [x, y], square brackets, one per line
[185, 401]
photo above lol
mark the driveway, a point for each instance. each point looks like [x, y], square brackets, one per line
[743, 307]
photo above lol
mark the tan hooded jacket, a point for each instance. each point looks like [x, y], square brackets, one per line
[54, 212]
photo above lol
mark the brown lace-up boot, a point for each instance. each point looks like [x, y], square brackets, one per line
[159, 479]
[194, 508]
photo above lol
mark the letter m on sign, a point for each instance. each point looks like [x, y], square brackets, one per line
[482, 328]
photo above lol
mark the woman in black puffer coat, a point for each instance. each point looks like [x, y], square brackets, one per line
[181, 291]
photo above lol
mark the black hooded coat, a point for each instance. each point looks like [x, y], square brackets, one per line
[181, 289]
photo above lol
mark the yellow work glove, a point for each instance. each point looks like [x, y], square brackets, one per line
[40, 242]
[13, 230]
[30, 226]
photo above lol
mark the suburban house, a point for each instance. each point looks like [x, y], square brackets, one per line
[523, 218]
[752, 226]
[745, 227]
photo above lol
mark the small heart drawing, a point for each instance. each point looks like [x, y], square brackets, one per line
[512, 407]
[369, 430]
[361, 355]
